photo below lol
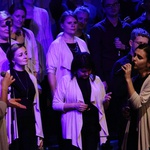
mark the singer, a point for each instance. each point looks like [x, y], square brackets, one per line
[29, 132]
[139, 100]
[120, 93]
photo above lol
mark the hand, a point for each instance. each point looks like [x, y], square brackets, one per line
[127, 69]
[7, 80]
[118, 44]
[107, 100]
[80, 106]
[40, 144]
[15, 103]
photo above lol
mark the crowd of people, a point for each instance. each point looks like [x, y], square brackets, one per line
[92, 71]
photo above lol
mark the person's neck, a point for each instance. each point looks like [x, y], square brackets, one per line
[14, 29]
[3, 40]
[144, 73]
[78, 33]
[113, 20]
[19, 68]
[68, 38]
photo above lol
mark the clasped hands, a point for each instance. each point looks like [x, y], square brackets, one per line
[80, 106]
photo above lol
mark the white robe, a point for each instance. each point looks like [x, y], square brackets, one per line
[68, 91]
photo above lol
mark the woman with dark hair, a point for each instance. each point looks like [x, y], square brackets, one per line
[26, 132]
[24, 36]
[80, 97]
[138, 127]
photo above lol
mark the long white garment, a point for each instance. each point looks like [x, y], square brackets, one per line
[38, 123]
[68, 91]
[41, 27]
[59, 56]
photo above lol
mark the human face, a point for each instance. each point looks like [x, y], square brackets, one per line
[111, 8]
[83, 73]
[138, 40]
[18, 18]
[20, 58]
[4, 30]
[70, 25]
[140, 61]
[82, 19]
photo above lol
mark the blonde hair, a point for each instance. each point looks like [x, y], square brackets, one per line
[4, 15]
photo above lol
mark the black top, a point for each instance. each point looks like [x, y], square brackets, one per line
[74, 48]
[90, 116]
[102, 46]
[23, 88]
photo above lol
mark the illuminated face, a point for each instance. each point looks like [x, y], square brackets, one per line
[140, 61]
[82, 19]
[111, 8]
[83, 73]
[18, 18]
[4, 30]
[20, 57]
[70, 25]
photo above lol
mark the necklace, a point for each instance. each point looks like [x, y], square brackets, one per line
[74, 47]
[26, 88]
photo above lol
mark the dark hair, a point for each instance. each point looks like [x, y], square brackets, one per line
[146, 48]
[82, 60]
[11, 52]
[17, 6]
[66, 14]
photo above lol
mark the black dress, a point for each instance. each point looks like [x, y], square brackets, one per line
[24, 88]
